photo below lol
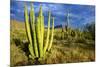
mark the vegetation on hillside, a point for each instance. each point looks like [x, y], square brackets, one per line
[67, 50]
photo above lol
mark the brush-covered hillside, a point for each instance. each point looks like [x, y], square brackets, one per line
[68, 46]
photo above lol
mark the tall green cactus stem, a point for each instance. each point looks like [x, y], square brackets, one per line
[48, 33]
[52, 33]
[38, 35]
[32, 19]
[40, 26]
[28, 30]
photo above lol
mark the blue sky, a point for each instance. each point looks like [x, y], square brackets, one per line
[79, 15]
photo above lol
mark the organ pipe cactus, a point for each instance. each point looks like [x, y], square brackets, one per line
[38, 46]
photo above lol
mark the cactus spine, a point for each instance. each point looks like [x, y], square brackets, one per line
[35, 33]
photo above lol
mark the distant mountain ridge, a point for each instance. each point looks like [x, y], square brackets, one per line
[56, 26]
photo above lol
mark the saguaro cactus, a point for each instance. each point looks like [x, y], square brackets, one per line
[35, 33]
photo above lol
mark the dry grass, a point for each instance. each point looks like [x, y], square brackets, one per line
[18, 57]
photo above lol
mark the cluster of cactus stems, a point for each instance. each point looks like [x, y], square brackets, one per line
[38, 46]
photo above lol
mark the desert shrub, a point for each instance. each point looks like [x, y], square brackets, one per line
[73, 33]
[80, 40]
[58, 36]
[90, 30]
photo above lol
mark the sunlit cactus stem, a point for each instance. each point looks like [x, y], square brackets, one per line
[38, 34]
[32, 19]
[52, 33]
[48, 34]
[40, 31]
[28, 30]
